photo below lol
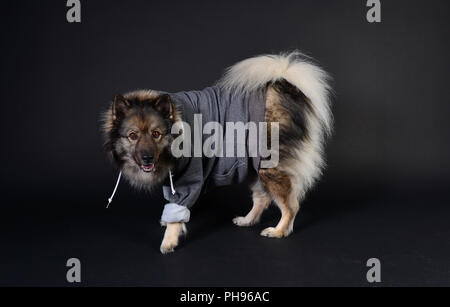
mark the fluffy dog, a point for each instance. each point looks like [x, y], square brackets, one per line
[142, 127]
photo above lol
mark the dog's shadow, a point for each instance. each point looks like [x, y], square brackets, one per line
[216, 210]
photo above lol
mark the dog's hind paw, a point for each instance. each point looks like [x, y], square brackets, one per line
[242, 221]
[272, 232]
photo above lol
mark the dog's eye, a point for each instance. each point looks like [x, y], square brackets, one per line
[156, 134]
[133, 136]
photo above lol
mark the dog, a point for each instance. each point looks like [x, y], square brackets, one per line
[288, 92]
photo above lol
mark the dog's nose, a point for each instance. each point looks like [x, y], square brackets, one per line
[147, 159]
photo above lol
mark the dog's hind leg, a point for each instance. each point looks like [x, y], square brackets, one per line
[261, 200]
[281, 189]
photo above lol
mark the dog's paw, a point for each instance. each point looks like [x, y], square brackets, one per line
[272, 232]
[242, 221]
[167, 248]
[171, 237]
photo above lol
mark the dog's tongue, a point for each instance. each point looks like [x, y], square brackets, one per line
[147, 168]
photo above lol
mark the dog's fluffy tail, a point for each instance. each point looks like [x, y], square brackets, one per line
[300, 71]
[296, 68]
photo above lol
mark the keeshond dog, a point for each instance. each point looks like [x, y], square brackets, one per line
[287, 91]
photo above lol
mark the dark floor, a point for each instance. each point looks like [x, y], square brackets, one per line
[330, 245]
[390, 106]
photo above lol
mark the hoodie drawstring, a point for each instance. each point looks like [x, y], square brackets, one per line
[117, 184]
[115, 189]
[171, 183]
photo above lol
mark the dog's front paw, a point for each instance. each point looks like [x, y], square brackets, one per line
[272, 232]
[168, 247]
[171, 236]
[242, 221]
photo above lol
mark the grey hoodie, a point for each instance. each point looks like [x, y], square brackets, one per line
[192, 175]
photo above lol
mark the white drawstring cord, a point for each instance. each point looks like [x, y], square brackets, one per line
[171, 183]
[114, 192]
[117, 184]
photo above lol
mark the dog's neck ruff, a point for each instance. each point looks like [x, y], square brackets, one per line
[117, 184]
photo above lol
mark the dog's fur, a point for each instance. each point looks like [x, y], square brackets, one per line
[297, 96]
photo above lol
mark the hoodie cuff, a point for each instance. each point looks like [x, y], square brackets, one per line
[174, 213]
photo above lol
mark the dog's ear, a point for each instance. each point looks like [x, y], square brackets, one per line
[163, 104]
[119, 107]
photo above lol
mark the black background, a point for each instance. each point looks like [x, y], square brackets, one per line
[383, 195]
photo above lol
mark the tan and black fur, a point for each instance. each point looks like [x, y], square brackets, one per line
[141, 112]
[296, 97]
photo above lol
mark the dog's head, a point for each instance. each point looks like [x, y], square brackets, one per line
[137, 129]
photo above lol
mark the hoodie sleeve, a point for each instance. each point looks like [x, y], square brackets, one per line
[187, 184]
[190, 172]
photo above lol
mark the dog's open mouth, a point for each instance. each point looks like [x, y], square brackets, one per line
[148, 168]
